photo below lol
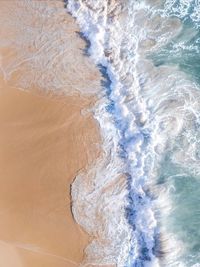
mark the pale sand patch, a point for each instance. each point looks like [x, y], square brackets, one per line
[9, 256]
[40, 47]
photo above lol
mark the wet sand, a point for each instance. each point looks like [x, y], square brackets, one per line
[44, 143]
[45, 139]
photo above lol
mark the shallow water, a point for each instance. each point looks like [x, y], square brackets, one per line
[149, 117]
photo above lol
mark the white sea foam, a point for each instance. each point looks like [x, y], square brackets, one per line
[149, 108]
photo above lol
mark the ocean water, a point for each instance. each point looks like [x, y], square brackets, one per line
[140, 201]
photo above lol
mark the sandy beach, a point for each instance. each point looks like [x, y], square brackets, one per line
[45, 139]
[44, 143]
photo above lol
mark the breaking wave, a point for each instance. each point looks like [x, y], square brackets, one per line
[139, 201]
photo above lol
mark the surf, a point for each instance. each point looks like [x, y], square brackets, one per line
[147, 111]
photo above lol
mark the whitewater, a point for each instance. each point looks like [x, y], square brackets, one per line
[141, 204]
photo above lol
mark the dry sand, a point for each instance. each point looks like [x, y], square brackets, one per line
[44, 139]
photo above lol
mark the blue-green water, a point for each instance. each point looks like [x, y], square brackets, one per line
[183, 220]
[182, 177]
[183, 50]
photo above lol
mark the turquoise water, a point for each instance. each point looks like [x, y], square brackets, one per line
[183, 220]
[183, 179]
[183, 50]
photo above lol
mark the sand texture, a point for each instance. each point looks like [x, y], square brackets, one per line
[45, 139]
